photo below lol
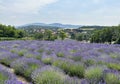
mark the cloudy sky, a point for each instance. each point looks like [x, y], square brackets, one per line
[82, 12]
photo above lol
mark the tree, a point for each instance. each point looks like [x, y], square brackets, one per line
[47, 35]
[117, 41]
[21, 33]
[107, 34]
[39, 36]
[62, 34]
[73, 36]
[79, 36]
[10, 31]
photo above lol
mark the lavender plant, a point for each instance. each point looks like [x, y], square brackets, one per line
[94, 74]
[5, 75]
[80, 61]
[25, 66]
[51, 75]
[70, 67]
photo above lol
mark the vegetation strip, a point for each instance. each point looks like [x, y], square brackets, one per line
[20, 78]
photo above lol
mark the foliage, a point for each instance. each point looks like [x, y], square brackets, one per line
[10, 31]
[48, 75]
[111, 78]
[108, 34]
[25, 66]
[93, 74]
[114, 66]
[88, 63]
[60, 54]
[62, 34]
[73, 69]
[39, 36]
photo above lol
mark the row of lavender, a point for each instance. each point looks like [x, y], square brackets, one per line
[6, 77]
[62, 62]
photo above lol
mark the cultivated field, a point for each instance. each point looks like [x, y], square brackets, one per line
[59, 62]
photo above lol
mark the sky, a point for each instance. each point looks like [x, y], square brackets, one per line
[79, 12]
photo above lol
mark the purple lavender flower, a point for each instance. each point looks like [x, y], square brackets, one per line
[25, 66]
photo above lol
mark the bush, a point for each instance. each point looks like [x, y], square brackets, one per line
[114, 66]
[25, 66]
[94, 74]
[7, 58]
[21, 52]
[70, 67]
[41, 50]
[76, 58]
[5, 75]
[111, 78]
[48, 75]
[89, 62]
[60, 54]
[47, 61]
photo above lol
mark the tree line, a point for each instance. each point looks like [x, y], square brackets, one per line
[11, 31]
[107, 34]
[49, 35]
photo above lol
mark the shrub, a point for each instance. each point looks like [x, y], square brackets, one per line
[111, 78]
[41, 50]
[7, 58]
[89, 62]
[73, 51]
[38, 57]
[13, 51]
[94, 74]
[114, 66]
[5, 75]
[48, 52]
[48, 75]
[70, 67]
[47, 60]
[29, 55]
[60, 54]
[21, 52]
[76, 58]
[25, 66]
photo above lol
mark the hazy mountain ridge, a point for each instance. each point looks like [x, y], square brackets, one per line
[56, 25]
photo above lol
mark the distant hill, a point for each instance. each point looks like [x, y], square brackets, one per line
[92, 27]
[53, 25]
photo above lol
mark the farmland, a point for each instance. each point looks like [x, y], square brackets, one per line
[59, 62]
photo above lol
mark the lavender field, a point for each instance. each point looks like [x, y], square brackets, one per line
[59, 62]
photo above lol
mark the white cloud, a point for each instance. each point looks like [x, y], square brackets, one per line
[24, 6]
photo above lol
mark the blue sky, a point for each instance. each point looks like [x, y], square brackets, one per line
[82, 12]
